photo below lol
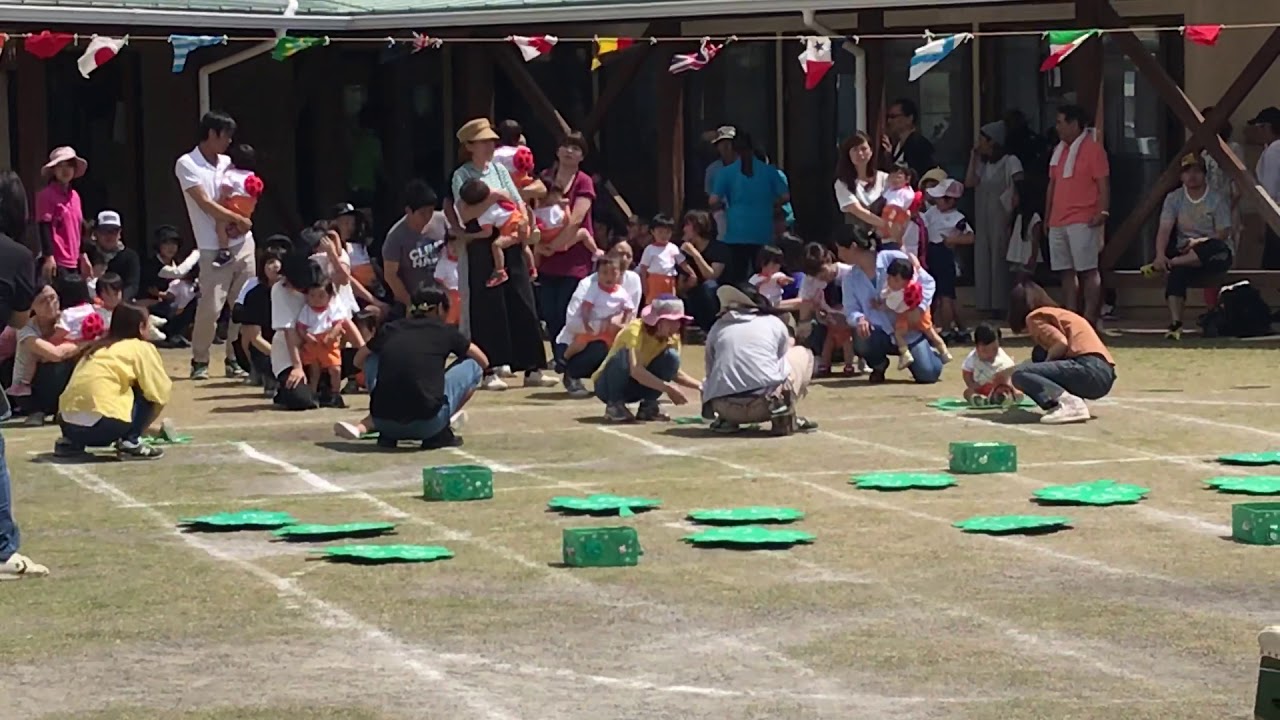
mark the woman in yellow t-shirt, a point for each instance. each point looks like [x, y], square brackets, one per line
[116, 392]
[644, 363]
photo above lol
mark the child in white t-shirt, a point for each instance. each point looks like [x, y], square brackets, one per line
[662, 261]
[239, 193]
[79, 321]
[898, 191]
[947, 229]
[820, 270]
[769, 278]
[606, 307]
[987, 370]
[322, 324]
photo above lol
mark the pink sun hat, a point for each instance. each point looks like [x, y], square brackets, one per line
[664, 307]
[61, 155]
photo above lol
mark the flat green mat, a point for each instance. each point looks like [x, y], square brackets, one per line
[603, 504]
[243, 519]
[1099, 492]
[1251, 458]
[902, 481]
[1011, 524]
[952, 404]
[156, 440]
[1255, 485]
[312, 531]
[748, 536]
[690, 420]
[746, 515]
[377, 554]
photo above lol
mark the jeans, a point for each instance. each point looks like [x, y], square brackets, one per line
[554, 294]
[584, 364]
[617, 387]
[702, 304]
[107, 431]
[8, 528]
[877, 347]
[1088, 376]
[460, 381]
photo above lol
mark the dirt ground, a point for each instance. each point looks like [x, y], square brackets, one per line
[1143, 611]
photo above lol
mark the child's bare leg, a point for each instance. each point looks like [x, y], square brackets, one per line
[529, 260]
[590, 242]
[846, 349]
[828, 349]
[335, 378]
[574, 348]
[938, 343]
[313, 378]
[499, 258]
[901, 326]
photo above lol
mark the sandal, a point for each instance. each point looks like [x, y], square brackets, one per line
[850, 369]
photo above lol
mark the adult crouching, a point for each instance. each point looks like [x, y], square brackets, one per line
[644, 364]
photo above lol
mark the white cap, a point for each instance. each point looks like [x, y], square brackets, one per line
[725, 132]
[108, 218]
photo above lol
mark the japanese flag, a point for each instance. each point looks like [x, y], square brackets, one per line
[99, 53]
[815, 60]
[532, 47]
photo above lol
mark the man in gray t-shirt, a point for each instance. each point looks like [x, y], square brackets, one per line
[414, 244]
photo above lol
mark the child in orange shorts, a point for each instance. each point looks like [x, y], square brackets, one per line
[322, 324]
[606, 307]
[904, 296]
[505, 218]
[662, 261]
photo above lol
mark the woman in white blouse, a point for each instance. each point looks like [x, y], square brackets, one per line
[994, 173]
[858, 185]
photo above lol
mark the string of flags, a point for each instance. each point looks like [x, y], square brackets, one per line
[816, 58]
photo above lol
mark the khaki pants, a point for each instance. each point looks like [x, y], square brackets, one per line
[777, 407]
[217, 284]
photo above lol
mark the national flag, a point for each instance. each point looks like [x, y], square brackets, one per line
[1203, 34]
[932, 53]
[288, 46]
[100, 52]
[422, 42]
[1061, 44]
[534, 47]
[816, 59]
[184, 45]
[606, 45]
[688, 62]
[4, 38]
[45, 44]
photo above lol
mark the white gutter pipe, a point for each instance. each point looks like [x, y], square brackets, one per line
[206, 100]
[810, 19]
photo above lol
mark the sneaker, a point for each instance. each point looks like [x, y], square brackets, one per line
[6, 410]
[65, 449]
[351, 388]
[155, 336]
[126, 450]
[804, 424]
[1071, 409]
[617, 412]
[651, 412]
[347, 431]
[576, 388]
[1109, 312]
[492, 382]
[720, 425]
[444, 439]
[497, 278]
[458, 421]
[504, 371]
[905, 359]
[877, 375]
[199, 370]
[333, 400]
[222, 258]
[269, 385]
[234, 371]
[34, 420]
[946, 356]
[537, 378]
[1174, 332]
[156, 321]
[18, 567]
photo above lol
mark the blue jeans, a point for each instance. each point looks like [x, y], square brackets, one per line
[702, 304]
[617, 387]
[8, 528]
[107, 431]
[554, 294]
[877, 348]
[1088, 376]
[459, 382]
[584, 364]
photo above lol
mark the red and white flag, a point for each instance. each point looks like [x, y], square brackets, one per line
[1203, 34]
[422, 42]
[815, 60]
[100, 51]
[532, 47]
[688, 62]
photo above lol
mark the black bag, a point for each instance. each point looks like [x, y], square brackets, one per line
[1241, 313]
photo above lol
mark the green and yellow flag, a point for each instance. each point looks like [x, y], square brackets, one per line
[288, 46]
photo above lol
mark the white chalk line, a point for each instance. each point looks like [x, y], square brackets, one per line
[1230, 427]
[1173, 400]
[1051, 647]
[322, 613]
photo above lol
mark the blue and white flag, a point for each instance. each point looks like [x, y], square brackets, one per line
[932, 53]
[184, 44]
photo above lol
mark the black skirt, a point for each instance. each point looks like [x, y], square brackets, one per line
[504, 319]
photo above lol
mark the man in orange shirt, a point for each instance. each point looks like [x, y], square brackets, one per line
[1078, 205]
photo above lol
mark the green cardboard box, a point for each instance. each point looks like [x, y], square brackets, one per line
[457, 482]
[602, 547]
[1266, 705]
[983, 457]
[1256, 523]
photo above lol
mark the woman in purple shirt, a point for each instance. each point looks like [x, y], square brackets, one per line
[567, 259]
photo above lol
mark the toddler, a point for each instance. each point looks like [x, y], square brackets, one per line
[662, 261]
[79, 321]
[550, 217]
[769, 280]
[820, 271]
[110, 292]
[322, 324]
[947, 229]
[987, 369]
[239, 193]
[446, 273]
[510, 140]
[903, 296]
[898, 191]
[604, 302]
[350, 225]
[503, 218]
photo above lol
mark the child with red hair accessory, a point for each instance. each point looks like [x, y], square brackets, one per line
[239, 193]
[904, 296]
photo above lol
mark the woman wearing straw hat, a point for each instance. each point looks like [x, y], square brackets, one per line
[503, 320]
[58, 213]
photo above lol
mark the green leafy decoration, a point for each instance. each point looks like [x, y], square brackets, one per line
[902, 481]
[243, 518]
[1099, 492]
[749, 535]
[1002, 524]
[746, 515]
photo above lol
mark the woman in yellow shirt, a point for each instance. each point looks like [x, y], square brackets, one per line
[644, 364]
[116, 392]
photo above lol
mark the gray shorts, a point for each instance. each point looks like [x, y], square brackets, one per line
[1074, 247]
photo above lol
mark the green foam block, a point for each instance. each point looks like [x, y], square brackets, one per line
[749, 536]
[902, 481]
[1253, 485]
[602, 504]
[1010, 524]
[983, 457]
[1256, 523]
[601, 547]
[311, 531]
[386, 553]
[457, 483]
[245, 519]
[1099, 492]
[746, 515]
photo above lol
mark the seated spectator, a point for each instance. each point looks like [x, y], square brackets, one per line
[42, 362]
[707, 257]
[167, 286]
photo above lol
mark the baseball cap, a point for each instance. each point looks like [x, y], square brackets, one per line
[1191, 160]
[947, 187]
[664, 307]
[108, 219]
[343, 209]
[725, 132]
[1267, 116]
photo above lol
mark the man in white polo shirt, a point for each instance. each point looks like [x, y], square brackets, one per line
[200, 175]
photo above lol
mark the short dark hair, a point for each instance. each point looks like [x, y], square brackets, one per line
[704, 226]
[901, 268]
[309, 240]
[769, 254]
[166, 235]
[269, 253]
[985, 334]
[576, 139]
[418, 194]
[279, 241]
[605, 261]
[1074, 113]
[72, 290]
[110, 281]
[908, 108]
[301, 272]
[509, 132]
[816, 257]
[216, 122]
[13, 206]
[473, 192]
[662, 221]
[426, 295]
[243, 157]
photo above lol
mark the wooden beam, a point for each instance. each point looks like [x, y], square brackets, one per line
[1086, 63]
[477, 66]
[670, 122]
[872, 22]
[527, 86]
[622, 73]
[33, 126]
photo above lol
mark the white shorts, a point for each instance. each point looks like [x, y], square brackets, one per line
[1074, 247]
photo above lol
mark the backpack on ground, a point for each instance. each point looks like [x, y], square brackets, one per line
[1241, 312]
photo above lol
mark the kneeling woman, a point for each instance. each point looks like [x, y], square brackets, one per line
[1070, 363]
[644, 363]
[116, 392]
[412, 395]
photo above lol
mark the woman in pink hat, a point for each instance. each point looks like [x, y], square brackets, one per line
[58, 213]
[644, 364]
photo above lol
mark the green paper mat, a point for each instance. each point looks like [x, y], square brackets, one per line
[371, 435]
[331, 532]
[1251, 458]
[902, 481]
[748, 535]
[690, 420]
[1255, 485]
[746, 515]
[1009, 524]
[373, 554]
[603, 504]
[951, 404]
[247, 519]
[1099, 492]
[155, 440]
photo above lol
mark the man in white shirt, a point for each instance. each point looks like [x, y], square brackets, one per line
[1268, 171]
[200, 175]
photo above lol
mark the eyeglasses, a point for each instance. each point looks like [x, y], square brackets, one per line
[894, 116]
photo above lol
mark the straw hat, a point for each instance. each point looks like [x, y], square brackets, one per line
[477, 130]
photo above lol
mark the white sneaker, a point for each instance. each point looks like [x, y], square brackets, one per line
[539, 379]
[21, 566]
[347, 431]
[156, 321]
[1071, 409]
[504, 371]
[492, 382]
[458, 421]
[905, 359]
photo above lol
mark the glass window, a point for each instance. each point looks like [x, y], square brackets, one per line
[944, 96]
